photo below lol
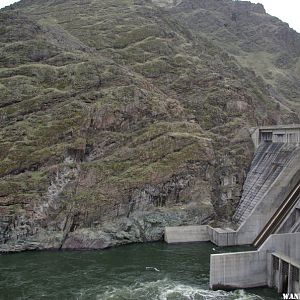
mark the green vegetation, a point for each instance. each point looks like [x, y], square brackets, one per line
[133, 95]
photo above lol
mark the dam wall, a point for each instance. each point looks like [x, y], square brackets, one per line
[269, 162]
[255, 222]
[270, 203]
[274, 173]
[268, 217]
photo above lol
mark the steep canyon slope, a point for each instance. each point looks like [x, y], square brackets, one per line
[119, 117]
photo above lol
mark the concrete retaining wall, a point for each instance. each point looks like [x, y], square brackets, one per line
[186, 234]
[201, 233]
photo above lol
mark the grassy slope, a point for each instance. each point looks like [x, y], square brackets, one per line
[126, 95]
[257, 40]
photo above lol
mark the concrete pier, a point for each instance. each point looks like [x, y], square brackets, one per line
[236, 270]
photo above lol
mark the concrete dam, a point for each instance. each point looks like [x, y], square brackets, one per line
[267, 217]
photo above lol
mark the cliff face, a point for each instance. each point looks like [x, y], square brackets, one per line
[257, 40]
[118, 118]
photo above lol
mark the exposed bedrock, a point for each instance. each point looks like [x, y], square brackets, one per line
[118, 118]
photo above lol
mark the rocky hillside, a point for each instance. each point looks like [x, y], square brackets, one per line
[119, 117]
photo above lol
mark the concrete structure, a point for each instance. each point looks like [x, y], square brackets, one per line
[257, 268]
[271, 164]
[186, 234]
[268, 216]
[257, 206]
[276, 134]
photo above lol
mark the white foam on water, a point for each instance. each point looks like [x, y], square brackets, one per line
[243, 295]
[181, 291]
[167, 289]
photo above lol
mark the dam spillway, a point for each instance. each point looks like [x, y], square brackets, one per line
[269, 161]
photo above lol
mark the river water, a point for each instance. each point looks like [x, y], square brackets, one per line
[140, 272]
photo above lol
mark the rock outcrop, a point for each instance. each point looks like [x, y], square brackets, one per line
[118, 118]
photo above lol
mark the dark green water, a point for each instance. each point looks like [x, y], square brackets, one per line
[119, 273]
